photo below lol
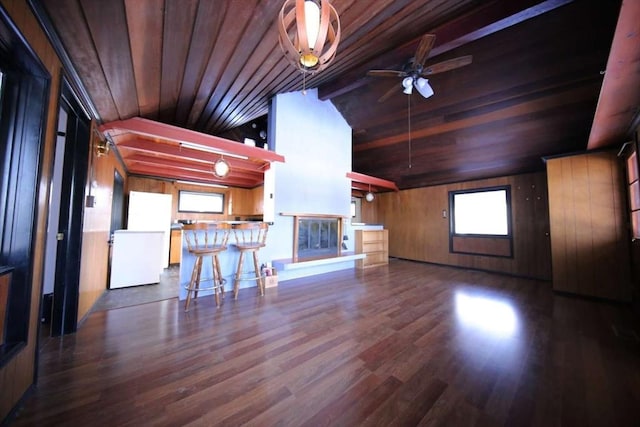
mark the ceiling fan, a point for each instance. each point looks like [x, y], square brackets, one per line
[414, 73]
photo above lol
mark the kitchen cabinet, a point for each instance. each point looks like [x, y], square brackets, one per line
[373, 243]
[258, 200]
[247, 202]
[241, 201]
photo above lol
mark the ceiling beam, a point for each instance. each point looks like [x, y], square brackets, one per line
[141, 145]
[361, 178]
[206, 178]
[177, 165]
[167, 132]
[620, 94]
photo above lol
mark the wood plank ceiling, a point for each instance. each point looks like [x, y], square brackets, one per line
[213, 66]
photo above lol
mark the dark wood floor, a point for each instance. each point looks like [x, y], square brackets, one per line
[408, 344]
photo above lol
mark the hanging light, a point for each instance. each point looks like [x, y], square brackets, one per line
[369, 196]
[424, 87]
[309, 33]
[221, 168]
[407, 84]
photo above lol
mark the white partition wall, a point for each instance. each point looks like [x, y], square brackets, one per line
[315, 140]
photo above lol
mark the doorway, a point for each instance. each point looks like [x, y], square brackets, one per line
[117, 216]
[64, 234]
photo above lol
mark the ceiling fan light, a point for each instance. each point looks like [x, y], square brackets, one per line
[221, 168]
[407, 84]
[424, 87]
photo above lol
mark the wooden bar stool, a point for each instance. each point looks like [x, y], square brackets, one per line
[250, 237]
[206, 240]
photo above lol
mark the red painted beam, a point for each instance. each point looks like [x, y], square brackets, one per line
[207, 178]
[177, 165]
[371, 180]
[177, 134]
[154, 148]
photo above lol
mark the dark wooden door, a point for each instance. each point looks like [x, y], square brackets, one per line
[64, 318]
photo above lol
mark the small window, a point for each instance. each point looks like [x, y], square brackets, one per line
[191, 201]
[480, 221]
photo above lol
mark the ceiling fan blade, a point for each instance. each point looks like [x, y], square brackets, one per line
[387, 94]
[450, 64]
[386, 73]
[424, 48]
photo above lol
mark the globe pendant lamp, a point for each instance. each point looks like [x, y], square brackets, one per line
[369, 196]
[221, 168]
[309, 33]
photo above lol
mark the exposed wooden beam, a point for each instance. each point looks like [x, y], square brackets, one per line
[357, 177]
[141, 145]
[164, 131]
[177, 165]
[208, 178]
[620, 94]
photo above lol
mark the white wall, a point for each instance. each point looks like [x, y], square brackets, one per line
[316, 143]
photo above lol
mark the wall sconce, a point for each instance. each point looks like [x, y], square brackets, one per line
[101, 147]
[309, 33]
[221, 168]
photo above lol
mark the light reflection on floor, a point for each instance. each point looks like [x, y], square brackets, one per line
[491, 316]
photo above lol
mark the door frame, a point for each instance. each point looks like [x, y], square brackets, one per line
[64, 318]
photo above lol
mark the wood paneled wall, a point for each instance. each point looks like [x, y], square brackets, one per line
[590, 238]
[96, 229]
[419, 231]
[18, 374]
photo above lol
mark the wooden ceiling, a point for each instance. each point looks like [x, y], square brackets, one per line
[213, 66]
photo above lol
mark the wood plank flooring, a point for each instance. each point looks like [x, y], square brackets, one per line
[407, 344]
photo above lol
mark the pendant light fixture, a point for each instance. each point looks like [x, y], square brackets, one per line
[309, 33]
[369, 196]
[221, 168]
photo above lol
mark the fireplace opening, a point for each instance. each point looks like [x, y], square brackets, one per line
[317, 238]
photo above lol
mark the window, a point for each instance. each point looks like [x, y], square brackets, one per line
[480, 221]
[482, 212]
[191, 201]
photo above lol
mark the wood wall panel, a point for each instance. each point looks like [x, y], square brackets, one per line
[96, 229]
[590, 243]
[18, 374]
[418, 230]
